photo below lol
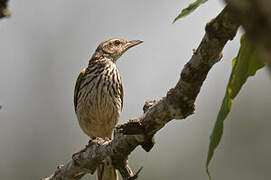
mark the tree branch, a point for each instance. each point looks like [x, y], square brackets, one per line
[177, 104]
[4, 12]
[255, 17]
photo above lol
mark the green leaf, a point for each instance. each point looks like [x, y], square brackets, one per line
[244, 65]
[189, 9]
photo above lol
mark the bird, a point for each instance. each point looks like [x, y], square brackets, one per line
[98, 95]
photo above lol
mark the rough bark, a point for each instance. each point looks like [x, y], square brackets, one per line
[177, 104]
[255, 17]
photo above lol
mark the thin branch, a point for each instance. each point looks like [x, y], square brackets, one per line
[177, 104]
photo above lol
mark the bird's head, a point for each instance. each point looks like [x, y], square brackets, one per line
[114, 48]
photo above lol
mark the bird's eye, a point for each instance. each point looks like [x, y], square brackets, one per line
[117, 42]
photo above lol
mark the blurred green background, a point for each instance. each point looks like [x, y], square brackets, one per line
[45, 44]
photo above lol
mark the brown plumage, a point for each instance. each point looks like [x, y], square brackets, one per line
[98, 95]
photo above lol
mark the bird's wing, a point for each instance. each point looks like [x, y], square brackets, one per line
[77, 87]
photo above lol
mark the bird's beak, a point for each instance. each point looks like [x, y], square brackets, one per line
[133, 43]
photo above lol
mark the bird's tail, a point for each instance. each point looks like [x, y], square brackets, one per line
[106, 173]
